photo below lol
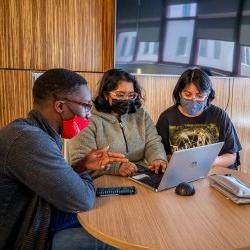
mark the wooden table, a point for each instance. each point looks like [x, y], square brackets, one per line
[164, 220]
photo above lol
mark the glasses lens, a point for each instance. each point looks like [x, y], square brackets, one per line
[87, 106]
[198, 97]
[121, 95]
[133, 95]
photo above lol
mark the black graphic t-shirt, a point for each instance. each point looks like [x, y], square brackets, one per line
[213, 125]
[192, 135]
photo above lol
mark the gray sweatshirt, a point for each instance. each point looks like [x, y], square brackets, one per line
[135, 136]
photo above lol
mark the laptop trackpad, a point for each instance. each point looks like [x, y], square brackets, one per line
[140, 176]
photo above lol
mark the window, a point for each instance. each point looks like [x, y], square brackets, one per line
[217, 49]
[182, 10]
[168, 36]
[178, 41]
[203, 48]
[148, 51]
[245, 61]
[216, 54]
[182, 46]
[125, 46]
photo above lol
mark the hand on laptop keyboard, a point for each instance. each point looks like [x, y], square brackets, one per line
[142, 170]
[158, 166]
[127, 169]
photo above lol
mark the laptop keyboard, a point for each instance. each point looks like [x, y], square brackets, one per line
[152, 180]
[143, 170]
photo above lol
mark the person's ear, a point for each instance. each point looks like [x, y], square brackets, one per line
[59, 106]
[105, 96]
[108, 99]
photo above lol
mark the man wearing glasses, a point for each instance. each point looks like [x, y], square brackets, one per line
[40, 193]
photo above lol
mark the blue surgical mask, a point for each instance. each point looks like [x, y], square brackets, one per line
[192, 107]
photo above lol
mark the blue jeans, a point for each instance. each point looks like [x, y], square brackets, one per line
[77, 239]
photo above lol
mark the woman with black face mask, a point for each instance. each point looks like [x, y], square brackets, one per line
[119, 120]
[193, 121]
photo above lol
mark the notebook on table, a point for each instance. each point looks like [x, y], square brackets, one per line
[185, 165]
[232, 187]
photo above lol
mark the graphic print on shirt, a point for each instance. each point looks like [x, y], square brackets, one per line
[192, 135]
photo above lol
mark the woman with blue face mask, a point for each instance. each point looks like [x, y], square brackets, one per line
[193, 121]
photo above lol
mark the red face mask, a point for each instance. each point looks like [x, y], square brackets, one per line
[74, 126]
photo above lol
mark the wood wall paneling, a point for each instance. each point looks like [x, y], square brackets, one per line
[159, 89]
[44, 34]
[108, 31]
[222, 87]
[241, 118]
[93, 81]
[158, 93]
[15, 94]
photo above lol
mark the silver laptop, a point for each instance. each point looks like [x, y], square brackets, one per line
[185, 165]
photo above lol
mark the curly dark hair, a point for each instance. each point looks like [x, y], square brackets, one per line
[199, 78]
[109, 82]
[56, 82]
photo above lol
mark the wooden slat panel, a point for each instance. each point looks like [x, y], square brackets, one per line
[108, 30]
[93, 80]
[158, 93]
[15, 94]
[222, 87]
[43, 34]
[241, 118]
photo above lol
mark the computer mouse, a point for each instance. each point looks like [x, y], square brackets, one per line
[185, 189]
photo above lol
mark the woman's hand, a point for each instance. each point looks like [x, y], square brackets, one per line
[127, 169]
[157, 166]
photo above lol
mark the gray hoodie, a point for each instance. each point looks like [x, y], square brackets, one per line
[135, 136]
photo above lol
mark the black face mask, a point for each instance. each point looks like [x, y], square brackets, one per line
[122, 107]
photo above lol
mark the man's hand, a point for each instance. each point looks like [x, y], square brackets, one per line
[157, 166]
[127, 169]
[98, 159]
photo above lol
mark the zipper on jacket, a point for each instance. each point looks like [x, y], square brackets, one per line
[120, 123]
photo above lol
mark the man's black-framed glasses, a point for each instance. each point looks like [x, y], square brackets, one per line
[86, 105]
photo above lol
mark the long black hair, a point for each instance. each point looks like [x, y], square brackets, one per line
[199, 78]
[109, 82]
